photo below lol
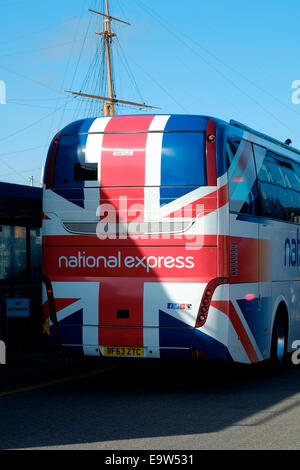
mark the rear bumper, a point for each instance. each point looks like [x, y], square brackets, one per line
[182, 343]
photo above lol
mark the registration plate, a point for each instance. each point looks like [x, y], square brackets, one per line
[127, 351]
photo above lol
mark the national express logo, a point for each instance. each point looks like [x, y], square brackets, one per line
[292, 251]
[128, 262]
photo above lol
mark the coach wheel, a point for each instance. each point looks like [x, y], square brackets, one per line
[279, 343]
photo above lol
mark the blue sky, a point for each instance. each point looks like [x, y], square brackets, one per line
[228, 59]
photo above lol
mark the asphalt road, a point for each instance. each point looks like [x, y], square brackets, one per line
[154, 406]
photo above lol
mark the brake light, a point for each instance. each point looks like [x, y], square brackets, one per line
[49, 173]
[206, 299]
[238, 179]
[249, 297]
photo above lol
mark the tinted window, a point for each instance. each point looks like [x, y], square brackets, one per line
[292, 179]
[264, 175]
[278, 189]
[252, 205]
[274, 169]
[293, 206]
[183, 160]
[279, 185]
[297, 170]
[243, 192]
[13, 257]
[293, 195]
[70, 151]
[86, 172]
[231, 149]
[265, 190]
[296, 216]
[36, 255]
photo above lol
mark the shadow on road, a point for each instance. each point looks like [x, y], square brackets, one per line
[145, 400]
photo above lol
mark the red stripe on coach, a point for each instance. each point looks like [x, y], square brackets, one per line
[119, 295]
[123, 154]
[227, 307]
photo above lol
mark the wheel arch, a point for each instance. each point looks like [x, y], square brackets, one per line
[280, 308]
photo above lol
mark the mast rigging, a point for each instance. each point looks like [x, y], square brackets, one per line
[107, 34]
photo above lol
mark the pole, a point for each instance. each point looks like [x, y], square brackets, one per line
[108, 107]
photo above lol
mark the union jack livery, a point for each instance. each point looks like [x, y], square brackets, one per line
[171, 236]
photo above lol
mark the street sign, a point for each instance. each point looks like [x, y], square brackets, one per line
[18, 307]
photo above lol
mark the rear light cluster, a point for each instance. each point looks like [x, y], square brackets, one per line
[206, 300]
[51, 301]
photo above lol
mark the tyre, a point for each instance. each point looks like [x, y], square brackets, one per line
[278, 356]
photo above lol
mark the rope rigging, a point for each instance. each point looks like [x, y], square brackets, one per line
[100, 82]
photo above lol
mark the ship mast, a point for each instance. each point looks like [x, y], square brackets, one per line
[108, 106]
[107, 34]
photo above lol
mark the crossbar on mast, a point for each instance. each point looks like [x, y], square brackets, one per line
[113, 100]
[109, 17]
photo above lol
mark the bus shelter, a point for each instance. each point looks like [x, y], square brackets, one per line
[20, 268]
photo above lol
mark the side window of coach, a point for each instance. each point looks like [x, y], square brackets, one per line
[242, 184]
[292, 179]
[278, 188]
[264, 181]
